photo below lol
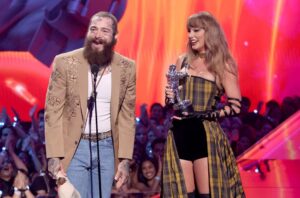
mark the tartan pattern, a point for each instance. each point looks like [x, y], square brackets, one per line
[173, 184]
[200, 92]
[224, 178]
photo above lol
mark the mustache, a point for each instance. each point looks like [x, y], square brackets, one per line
[102, 58]
[89, 42]
[98, 41]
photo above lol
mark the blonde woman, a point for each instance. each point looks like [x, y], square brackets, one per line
[198, 158]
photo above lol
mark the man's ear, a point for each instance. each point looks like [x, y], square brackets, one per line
[116, 37]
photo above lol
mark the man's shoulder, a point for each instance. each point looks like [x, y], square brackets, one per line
[76, 52]
[123, 59]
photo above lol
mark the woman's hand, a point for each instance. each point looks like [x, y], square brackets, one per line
[32, 111]
[169, 93]
[21, 180]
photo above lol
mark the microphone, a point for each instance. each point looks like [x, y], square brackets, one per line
[91, 100]
[95, 69]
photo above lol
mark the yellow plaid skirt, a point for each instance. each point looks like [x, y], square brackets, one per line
[224, 177]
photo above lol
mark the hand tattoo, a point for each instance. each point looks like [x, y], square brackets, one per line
[53, 166]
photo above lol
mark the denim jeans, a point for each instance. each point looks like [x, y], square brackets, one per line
[79, 169]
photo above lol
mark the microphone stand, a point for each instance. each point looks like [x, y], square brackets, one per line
[92, 104]
[90, 107]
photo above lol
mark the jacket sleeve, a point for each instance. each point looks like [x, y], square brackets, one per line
[55, 100]
[126, 120]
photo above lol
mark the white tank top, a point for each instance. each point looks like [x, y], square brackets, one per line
[103, 103]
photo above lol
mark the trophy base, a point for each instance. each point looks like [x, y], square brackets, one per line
[183, 109]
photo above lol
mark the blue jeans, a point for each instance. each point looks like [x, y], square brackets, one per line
[79, 169]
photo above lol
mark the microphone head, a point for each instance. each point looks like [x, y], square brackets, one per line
[95, 69]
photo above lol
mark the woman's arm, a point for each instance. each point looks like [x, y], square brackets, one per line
[21, 184]
[230, 83]
[10, 148]
[156, 184]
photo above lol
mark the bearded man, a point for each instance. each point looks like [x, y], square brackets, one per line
[70, 139]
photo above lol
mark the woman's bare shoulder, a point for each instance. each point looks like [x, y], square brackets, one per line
[180, 60]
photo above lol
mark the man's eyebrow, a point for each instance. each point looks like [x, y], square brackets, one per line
[92, 27]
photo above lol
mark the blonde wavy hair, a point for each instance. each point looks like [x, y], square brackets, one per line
[217, 54]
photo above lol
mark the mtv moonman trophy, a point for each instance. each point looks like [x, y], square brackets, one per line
[181, 106]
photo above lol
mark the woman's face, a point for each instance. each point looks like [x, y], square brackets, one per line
[196, 38]
[4, 134]
[148, 170]
[141, 134]
[157, 113]
[6, 168]
[151, 136]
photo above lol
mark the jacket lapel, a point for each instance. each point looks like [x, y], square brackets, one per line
[83, 85]
[115, 92]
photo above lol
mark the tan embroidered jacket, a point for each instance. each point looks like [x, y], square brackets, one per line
[66, 105]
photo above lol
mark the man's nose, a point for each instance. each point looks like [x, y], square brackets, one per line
[97, 34]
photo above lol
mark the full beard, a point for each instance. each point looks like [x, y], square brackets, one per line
[102, 58]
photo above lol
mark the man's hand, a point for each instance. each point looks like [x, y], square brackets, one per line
[54, 166]
[122, 174]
